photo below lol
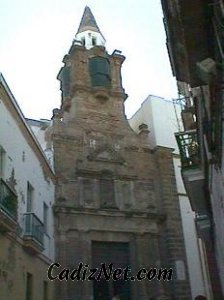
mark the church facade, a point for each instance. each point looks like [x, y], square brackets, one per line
[116, 199]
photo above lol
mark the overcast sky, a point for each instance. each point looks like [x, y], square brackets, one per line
[36, 34]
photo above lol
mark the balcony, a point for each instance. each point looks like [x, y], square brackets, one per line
[33, 233]
[8, 208]
[192, 171]
[189, 149]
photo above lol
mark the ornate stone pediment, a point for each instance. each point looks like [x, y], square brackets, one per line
[106, 154]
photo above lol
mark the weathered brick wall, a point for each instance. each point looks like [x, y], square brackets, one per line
[96, 151]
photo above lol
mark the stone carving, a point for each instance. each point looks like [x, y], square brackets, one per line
[106, 154]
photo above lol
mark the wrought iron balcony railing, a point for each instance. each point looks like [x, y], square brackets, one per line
[34, 228]
[189, 149]
[8, 200]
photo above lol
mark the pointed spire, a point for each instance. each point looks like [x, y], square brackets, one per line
[88, 32]
[88, 22]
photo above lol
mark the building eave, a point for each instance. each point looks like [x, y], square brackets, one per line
[186, 25]
[26, 130]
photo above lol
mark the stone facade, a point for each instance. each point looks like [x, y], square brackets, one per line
[111, 186]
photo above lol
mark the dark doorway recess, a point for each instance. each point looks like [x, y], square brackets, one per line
[118, 254]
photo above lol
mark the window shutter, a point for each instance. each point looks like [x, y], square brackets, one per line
[99, 68]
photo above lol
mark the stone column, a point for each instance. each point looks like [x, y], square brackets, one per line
[141, 244]
[158, 287]
[116, 72]
[148, 257]
[87, 259]
[74, 257]
[60, 246]
[78, 251]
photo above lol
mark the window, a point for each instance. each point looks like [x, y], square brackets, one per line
[23, 156]
[83, 41]
[8, 200]
[99, 68]
[94, 41]
[29, 286]
[45, 290]
[92, 143]
[45, 210]
[30, 192]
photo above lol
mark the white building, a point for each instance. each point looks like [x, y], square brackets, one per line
[163, 118]
[41, 130]
[26, 200]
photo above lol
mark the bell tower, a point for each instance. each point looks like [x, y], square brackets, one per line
[91, 78]
[88, 32]
[116, 199]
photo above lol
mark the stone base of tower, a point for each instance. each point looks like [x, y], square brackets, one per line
[126, 241]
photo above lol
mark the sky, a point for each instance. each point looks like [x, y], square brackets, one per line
[36, 34]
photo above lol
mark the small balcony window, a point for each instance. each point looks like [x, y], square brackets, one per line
[34, 228]
[8, 200]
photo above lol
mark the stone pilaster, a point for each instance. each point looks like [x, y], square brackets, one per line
[142, 257]
[173, 242]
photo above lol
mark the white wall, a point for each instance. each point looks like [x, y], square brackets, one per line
[159, 114]
[21, 160]
[198, 285]
[88, 35]
[39, 131]
[217, 200]
[39, 128]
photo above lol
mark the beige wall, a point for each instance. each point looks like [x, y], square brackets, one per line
[15, 262]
